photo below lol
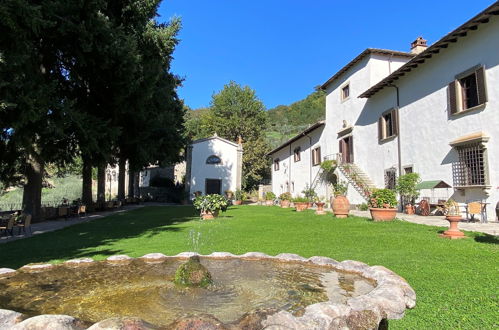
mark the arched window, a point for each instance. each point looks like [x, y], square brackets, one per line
[213, 160]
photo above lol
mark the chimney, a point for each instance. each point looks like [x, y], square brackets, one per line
[418, 46]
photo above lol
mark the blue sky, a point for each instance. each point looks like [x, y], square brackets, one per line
[283, 48]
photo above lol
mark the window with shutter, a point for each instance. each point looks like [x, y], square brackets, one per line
[316, 156]
[468, 91]
[388, 124]
[297, 154]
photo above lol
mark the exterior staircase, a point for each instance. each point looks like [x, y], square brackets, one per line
[357, 178]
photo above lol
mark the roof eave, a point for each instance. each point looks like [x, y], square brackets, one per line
[298, 136]
[452, 37]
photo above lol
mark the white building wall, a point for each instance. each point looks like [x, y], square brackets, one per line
[294, 176]
[227, 171]
[426, 129]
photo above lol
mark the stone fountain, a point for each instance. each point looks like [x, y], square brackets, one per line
[191, 291]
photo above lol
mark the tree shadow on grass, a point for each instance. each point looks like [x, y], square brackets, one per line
[83, 240]
[486, 238]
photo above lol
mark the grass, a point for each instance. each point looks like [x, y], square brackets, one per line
[455, 280]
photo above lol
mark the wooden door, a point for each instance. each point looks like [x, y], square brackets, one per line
[346, 149]
[213, 186]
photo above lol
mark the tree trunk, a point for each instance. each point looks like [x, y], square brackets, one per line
[101, 183]
[121, 179]
[32, 194]
[131, 184]
[86, 192]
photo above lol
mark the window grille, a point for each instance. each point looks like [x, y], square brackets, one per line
[469, 170]
[390, 178]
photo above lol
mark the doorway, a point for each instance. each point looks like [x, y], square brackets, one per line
[346, 149]
[213, 186]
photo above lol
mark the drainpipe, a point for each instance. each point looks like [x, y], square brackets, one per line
[310, 154]
[399, 148]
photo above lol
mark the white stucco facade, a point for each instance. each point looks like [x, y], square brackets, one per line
[214, 159]
[419, 93]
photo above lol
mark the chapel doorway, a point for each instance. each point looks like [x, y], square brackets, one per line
[213, 186]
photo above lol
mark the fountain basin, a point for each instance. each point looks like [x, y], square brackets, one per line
[253, 289]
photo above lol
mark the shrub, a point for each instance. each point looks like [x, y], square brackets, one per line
[285, 196]
[309, 193]
[239, 195]
[452, 208]
[269, 196]
[328, 165]
[406, 187]
[300, 199]
[211, 203]
[340, 188]
[363, 207]
[383, 198]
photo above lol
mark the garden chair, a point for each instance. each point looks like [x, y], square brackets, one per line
[25, 224]
[9, 226]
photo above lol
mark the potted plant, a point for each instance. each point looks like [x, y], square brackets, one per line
[406, 187]
[210, 205]
[229, 194]
[63, 208]
[285, 199]
[340, 203]
[382, 205]
[319, 202]
[301, 203]
[239, 196]
[453, 216]
[309, 194]
[269, 198]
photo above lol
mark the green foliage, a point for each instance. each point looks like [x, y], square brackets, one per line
[406, 186]
[328, 165]
[309, 193]
[285, 196]
[211, 203]
[158, 181]
[363, 207]
[287, 121]
[383, 198]
[340, 188]
[300, 199]
[269, 196]
[239, 195]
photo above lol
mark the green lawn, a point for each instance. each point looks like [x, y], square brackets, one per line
[456, 281]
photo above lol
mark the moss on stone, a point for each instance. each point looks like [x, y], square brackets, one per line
[193, 274]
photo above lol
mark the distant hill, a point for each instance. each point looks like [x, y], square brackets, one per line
[288, 120]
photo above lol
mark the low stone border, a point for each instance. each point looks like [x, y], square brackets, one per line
[389, 299]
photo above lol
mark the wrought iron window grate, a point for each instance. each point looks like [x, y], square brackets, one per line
[469, 170]
[390, 178]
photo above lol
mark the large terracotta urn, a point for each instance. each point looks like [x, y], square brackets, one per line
[238, 202]
[285, 204]
[341, 206]
[208, 215]
[383, 214]
[301, 206]
[453, 232]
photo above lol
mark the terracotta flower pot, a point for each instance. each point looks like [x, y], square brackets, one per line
[320, 208]
[207, 215]
[341, 206]
[301, 206]
[285, 204]
[238, 202]
[383, 214]
[409, 209]
[453, 232]
[310, 204]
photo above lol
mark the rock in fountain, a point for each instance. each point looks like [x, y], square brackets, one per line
[193, 274]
